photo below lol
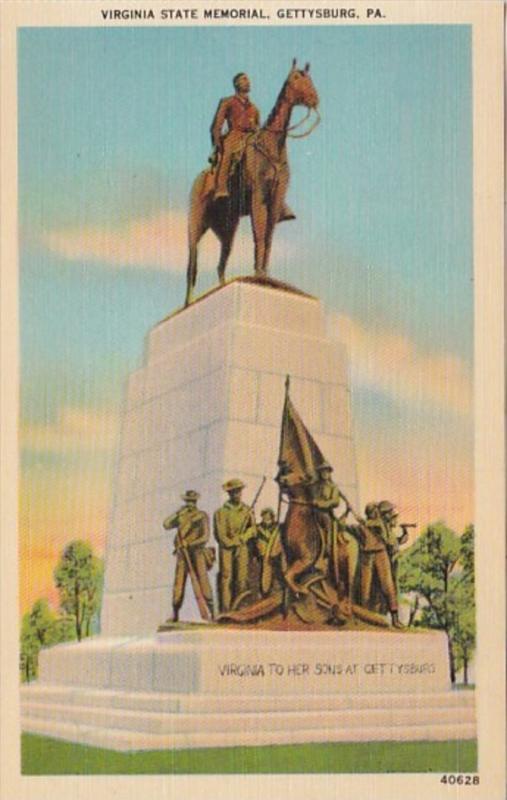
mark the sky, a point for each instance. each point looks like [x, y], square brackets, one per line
[113, 127]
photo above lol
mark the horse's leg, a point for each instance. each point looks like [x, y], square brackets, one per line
[294, 570]
[226, 235]
[197, 227]
[275, 208]
[268, 241]
[259, 218]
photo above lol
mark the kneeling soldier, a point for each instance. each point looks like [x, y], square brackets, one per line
[191, 553]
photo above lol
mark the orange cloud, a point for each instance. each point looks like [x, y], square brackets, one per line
[63, 502]
[55, 507]
[428, 477]
[156, 242]
[391, 363]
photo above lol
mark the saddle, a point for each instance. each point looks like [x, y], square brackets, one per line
[209, 185]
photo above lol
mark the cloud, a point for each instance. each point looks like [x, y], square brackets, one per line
[56, 508]
[157, 242]
[428, 475]
[393, 364]
[74, 430]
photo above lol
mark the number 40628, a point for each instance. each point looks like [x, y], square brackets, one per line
[460, 780]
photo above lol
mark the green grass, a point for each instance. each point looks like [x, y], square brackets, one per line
[44, 756]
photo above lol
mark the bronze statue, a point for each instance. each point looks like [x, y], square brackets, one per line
[242, 118]
[192, 556]
[259, 186]
[389, 515]
[327, 497]
[233, 527]
[270, 553]
[374, 536]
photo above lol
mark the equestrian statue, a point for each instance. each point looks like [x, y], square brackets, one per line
[249, 174]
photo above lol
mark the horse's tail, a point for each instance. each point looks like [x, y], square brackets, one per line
[202, 187]
[200, 196]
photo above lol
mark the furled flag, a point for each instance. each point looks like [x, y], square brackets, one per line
[300, 455]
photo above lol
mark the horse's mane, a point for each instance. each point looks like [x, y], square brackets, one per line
[274, 110]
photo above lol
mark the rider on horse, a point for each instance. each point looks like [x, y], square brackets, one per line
[243, 119]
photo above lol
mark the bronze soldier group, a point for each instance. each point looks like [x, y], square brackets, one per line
[252, 559]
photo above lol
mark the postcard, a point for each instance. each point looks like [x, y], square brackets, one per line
[253, 484]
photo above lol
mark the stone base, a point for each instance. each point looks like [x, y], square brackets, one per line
[205, 406]
[211, 688]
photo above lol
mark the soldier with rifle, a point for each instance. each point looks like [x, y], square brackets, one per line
[192, 556]
[389, 516]
[373, 536]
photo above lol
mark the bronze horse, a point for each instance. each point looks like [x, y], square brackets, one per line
[301, 535]
[257, 188]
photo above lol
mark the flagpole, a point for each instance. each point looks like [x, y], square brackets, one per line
[280, 449]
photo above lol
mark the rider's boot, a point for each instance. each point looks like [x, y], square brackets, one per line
[286, 213]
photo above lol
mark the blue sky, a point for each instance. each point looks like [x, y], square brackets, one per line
[113, 127]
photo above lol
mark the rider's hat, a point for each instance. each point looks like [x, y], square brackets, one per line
[324, 465]
[233, 483]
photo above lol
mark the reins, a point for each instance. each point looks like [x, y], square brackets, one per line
[298, 124]
[276, 164]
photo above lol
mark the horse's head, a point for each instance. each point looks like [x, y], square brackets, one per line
[299, 88]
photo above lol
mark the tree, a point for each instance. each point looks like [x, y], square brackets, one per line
[427, 569]
[467, 554]
[78, 578]
[29, 650]
[43, 620]
[94, 596]
[463, 629]
[41, 627]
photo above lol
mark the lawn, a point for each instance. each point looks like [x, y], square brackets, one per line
[44, 756]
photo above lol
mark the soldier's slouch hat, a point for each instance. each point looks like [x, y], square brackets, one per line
[233, 483]
[386, 507]
[190, 494]
[268, 511]
[324, 465]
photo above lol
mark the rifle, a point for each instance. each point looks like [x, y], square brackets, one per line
[252, 506]
[357, 517]
[201, 601]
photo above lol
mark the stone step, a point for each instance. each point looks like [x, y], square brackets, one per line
[162, 722]
[123, 740]
[231, 704]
